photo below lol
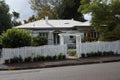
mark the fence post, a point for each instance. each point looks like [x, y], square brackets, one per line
[118, 46]
[78, 49]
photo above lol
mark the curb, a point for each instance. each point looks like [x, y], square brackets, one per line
[60, 65]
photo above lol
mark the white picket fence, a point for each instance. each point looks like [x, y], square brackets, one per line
[98, 46]
[24, 52]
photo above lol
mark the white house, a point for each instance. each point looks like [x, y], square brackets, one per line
[58, 31]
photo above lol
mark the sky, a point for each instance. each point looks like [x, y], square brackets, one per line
[23, 7]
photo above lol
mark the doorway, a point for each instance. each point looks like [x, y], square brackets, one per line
[56, 37]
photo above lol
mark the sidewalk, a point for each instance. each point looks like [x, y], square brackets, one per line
[68, 62]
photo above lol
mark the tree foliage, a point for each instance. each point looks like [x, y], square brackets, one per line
[5, 17]
[105, 15]
[7, 20]
[13, 38]
[44, 7]
[40, 5]
[15, 16]
[111, 36]
[68, 9]
[57, 9]
[32, 18]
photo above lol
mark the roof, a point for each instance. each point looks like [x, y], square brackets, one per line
[54, 24]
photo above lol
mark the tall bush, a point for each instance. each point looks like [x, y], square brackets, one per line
[39, 40]
[13, 38]
[111, 36]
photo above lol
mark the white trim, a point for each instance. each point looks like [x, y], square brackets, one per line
[78, 37]
[71, 34]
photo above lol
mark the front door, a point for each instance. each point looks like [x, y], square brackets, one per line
[56, 38]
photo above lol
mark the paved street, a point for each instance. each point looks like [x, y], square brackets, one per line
[103, 71]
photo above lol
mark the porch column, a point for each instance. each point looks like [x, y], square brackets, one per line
[50, 38]
[61, 39]
[96, 34]
[78, 39]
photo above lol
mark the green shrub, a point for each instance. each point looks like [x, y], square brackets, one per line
[39, 40]
[7, 61]
[42, 58]
[105, 53]
[12, 60]
[0, 40]
[35, 59]
[39, 58]
[92, 54]
[98, 54]
[72, 52]
[16, 59]
[112, 53]
[48, 58]
[88, 55]
[83, 55]
[61, 57]
[54, 57]
[28, 59]
[20, 59]
[13, 38]
[109, 53]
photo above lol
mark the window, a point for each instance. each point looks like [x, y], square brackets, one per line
[44, 35]
[71, 37]
[66, 23]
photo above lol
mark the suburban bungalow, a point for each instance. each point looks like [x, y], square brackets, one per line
[59, 31]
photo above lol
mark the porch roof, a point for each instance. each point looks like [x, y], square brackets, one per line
[71, 34]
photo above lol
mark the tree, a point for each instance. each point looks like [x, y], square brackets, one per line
[68, 9]
[44, 7]
[25, 21]
[111, 36]
[15, 16]
[32, 18]
[105, 15]
[5, 17]
[39, 5]
[57, 9]
[47, 12]
[13, 38]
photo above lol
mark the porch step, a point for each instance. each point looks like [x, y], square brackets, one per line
[72, 57]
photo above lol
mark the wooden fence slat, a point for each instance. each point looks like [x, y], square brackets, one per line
[24, 52]
[98, 46]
